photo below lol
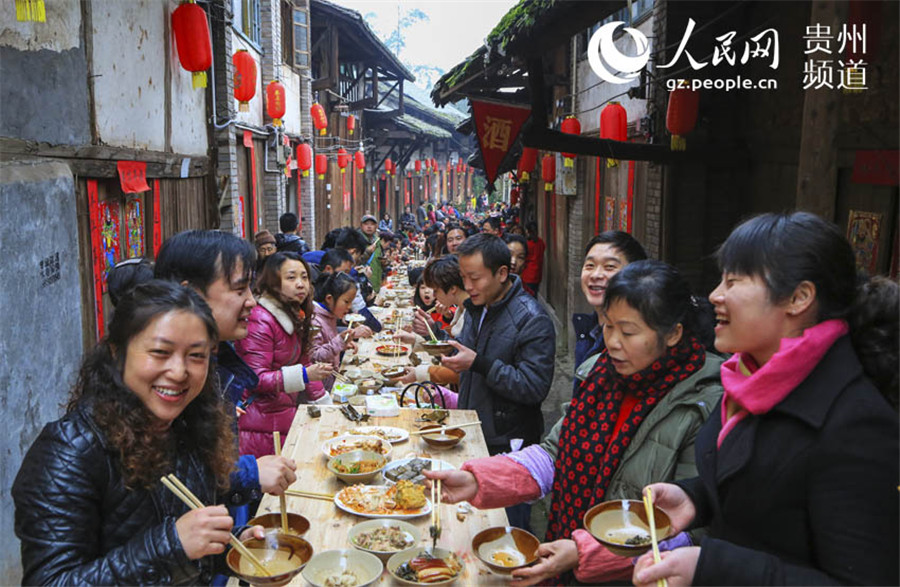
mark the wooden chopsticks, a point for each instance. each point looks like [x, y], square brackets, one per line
[184, 494]
[309, 494]
[340, 377]
[442, 429]
[651, 521]
[281, 499]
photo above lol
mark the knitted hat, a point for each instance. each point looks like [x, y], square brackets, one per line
[263, 237]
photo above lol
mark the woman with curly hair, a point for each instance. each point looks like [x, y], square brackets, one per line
[277, 349]
[90, 508]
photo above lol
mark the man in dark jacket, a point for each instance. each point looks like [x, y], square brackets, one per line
[506, 351]
[288, 239]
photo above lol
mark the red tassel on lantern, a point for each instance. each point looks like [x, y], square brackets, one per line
[343, 159]
[526, 163]
[275, 102]
[613, 126]
[548, 171]
[320, 121]
[360, 159]
[304, 158]
[321, 166]
[681, 115]
[570, 126]
[351, 124]
[244, 79]
[191, 31]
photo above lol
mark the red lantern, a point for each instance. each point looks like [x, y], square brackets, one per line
[389, 166]
[613, 126]
[320, 121]
[570, 126]
[304, 158]
[526, 163]
[192, 41]
[321, 166]
[459, 166]
[548, 171]
[275, 102]
[343, 159]
[244, 79]
[360, 159]
[418, 166]
[434, 165]
[513, 196]
[351, 124]
[681, 116]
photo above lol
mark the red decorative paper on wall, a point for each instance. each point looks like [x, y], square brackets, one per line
[239, 217]
[133, 176]
[624, 216]
[248, 142]
[157, 220]
[877, 167]
[609, 214]
[96, 254]
[497, 126]
[863, 230]
[109, 237]
[134, 227]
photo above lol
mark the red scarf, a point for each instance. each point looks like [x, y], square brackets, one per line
[588, 452]
[756, 390]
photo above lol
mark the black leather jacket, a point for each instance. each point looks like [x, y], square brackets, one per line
[79, 524]
[511, 376]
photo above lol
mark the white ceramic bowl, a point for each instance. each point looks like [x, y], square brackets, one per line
[366, 567]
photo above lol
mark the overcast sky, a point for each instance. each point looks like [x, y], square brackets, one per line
[454, 29]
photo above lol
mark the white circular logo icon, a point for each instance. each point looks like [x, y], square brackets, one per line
[629, 67]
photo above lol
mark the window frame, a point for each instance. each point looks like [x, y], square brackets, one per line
[253, 25]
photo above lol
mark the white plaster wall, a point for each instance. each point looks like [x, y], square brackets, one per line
[291, 81]
[255, 115]
[61, 32]
[599, 93]
[189, 132]
[129, 62]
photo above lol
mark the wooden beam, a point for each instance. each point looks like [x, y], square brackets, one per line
[400, 106]
[361, 104]
[388, 93]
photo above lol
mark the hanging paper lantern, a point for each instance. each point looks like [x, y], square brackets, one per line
[570, 126]
[275, 102]
[459, 166]
[321, 166]
[360, 159]
[320, 121]
[191, 31]
[449, 167]
[513, 196]
[343, 159]
[681, 116]
[304, 158]
[351, 124]
[244, 78]
[526, 163]
[613, 126]
[389, 166]
[418, 166]
[548, 171]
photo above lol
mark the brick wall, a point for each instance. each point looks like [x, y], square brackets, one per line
[225, 140]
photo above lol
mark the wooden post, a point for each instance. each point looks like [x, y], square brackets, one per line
[817, 166]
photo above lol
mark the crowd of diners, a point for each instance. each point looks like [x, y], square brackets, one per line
[762, 415]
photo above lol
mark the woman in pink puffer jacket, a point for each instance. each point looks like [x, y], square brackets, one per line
[277, 349]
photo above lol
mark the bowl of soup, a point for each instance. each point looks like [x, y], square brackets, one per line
[437, 348]
[282, 555]
[358, 466]
[622, 527]
[437, 438]
[297, 524]
[505, 548]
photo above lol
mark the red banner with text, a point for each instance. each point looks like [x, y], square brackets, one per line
[497, 126]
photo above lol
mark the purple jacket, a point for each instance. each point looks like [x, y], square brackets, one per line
[327, 345]
[274, 352]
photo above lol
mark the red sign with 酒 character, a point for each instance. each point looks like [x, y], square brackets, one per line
[497, 126]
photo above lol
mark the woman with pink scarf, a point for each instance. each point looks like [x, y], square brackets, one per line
[798, 466]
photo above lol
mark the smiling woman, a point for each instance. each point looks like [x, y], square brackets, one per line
[89, 506]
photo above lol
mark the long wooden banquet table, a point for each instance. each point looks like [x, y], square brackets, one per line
[329, 526]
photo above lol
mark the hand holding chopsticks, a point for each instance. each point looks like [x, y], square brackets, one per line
[185, 495]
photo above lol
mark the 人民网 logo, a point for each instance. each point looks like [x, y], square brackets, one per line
[628, 66]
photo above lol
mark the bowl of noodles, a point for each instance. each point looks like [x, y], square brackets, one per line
[357, 466]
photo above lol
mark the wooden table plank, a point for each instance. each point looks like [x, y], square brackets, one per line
[330, 526]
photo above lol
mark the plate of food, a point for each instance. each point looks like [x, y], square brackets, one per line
[350, 442]
[401, 500]
[425, 566]
[392, 350]
[411, 469]
[384, 537]
[390, 433]
[354, 318]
